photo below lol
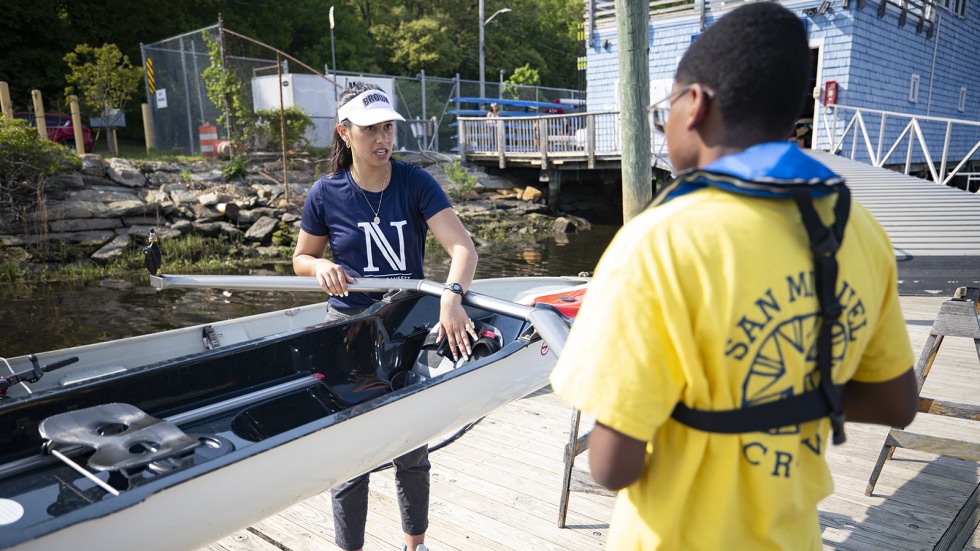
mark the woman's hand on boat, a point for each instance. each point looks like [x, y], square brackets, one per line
[456, 326]
[332, 278]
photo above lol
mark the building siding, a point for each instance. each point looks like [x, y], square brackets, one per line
[872, 60]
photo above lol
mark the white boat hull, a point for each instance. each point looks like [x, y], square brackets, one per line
[211, 505]
[201, 503]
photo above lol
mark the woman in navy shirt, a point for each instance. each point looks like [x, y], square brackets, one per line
[374, 212]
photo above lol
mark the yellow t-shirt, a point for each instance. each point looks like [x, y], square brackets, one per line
[709, 299]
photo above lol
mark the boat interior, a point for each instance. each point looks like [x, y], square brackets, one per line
[129, 428]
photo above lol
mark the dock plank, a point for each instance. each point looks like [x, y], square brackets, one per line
[498, 486]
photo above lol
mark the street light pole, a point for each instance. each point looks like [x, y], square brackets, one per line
[333, 59]
[483, 23]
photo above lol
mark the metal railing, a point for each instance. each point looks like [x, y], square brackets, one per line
[540, 138]
[841, 126]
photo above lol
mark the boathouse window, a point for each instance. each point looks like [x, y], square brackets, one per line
[959, 8]
[962, 105]
[914, 89]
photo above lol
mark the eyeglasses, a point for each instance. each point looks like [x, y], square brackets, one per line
[661, 109]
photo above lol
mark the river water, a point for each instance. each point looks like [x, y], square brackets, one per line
[35, 318]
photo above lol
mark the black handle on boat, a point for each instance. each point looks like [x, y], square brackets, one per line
[33, 374]
[56, 365]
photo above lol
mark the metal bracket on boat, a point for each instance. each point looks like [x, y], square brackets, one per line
[123, 436]
[33, 374]
[210, 338]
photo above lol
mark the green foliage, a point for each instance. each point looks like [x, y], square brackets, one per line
[523, 76]
[188, 253]
[226, 92]
[460, 178]
[34, 36]
[25, 157]
[185, 176]
[296, 122]
[421, 42]
[284, 236]
[236, 167]
[103, 77]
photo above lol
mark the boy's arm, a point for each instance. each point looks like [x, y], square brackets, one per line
[616, 460]
[893, 402]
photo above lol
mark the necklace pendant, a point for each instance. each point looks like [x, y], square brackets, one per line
[377, 220]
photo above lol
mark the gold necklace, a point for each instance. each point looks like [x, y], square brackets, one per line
[377, 218]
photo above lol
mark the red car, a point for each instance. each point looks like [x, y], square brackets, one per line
[60, 129]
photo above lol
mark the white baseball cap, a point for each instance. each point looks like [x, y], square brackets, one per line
[367, 108]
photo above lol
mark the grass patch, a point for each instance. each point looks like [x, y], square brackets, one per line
[185, 254]
[136, 151]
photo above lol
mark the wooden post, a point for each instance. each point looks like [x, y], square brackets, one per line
[632, 19]
[634, 96]
[541, 129]
[501, 142]
[113, 144]
[147, 127]
[76, 124]
[554, 190]
[5, 105]
[42, 125]
[462, 141]
[590, 139]
[282, 130]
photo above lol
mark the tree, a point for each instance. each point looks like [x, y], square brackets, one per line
[226, 92]
[523, 76]
[104, 78]
[417, 43]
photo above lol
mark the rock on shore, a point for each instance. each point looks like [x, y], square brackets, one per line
[113, 203]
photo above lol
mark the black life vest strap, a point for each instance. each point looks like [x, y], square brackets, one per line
[814, 404]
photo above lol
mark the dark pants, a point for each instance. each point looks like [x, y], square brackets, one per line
[350, 500]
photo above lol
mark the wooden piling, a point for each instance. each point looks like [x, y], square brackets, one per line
[634, 94]
[76, 123]
[148, 128]
[42, 125]
[5, 104]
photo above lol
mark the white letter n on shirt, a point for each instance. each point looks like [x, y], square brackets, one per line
[373, 233]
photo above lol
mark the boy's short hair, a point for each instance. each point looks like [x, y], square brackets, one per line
[757, 61]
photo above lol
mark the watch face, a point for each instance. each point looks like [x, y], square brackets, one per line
[456, 288]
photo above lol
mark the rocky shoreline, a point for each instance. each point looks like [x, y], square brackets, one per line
[96, 214]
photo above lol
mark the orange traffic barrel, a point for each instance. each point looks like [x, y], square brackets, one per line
[209, 139]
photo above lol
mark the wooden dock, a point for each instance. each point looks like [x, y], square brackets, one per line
[498, 486]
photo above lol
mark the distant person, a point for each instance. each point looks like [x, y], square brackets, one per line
[712, 304]
[374, 213]
[494, 110]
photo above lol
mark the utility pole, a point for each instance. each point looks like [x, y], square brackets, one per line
[632, 20]
[333, 60]
[483, 92]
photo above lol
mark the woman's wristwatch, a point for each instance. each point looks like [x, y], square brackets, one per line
[454, 287]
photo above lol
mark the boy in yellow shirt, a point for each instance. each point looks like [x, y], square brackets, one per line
[730, 325]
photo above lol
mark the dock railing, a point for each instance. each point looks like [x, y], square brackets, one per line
[873, 136]
[841, 127]
[537, 139]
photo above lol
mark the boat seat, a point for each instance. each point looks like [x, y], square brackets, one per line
[123, 436]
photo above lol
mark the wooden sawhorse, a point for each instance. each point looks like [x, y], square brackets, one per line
[576, 445]
[958, 317]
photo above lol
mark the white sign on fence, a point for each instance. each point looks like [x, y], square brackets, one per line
[162, 98]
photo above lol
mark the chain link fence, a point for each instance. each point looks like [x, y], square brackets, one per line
[274, 86]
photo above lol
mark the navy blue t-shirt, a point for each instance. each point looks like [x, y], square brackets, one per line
[336, 207]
